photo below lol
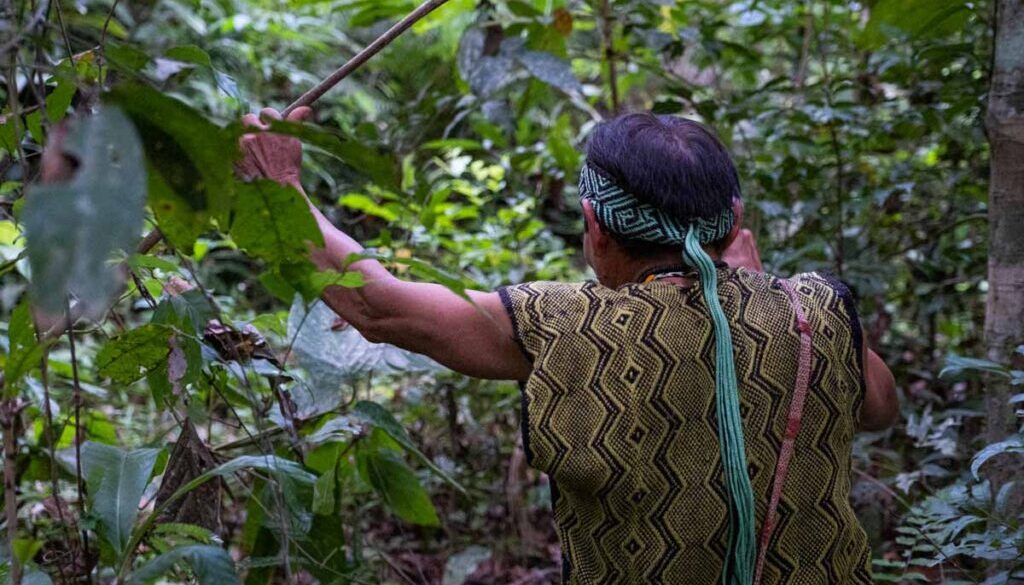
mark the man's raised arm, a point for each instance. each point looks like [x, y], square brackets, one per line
[474, 338]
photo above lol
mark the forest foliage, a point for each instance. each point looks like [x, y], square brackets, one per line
[182, 405]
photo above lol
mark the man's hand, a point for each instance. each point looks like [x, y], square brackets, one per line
[742, 252]
[271, 156]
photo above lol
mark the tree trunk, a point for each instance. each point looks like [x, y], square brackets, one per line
[1004, 316]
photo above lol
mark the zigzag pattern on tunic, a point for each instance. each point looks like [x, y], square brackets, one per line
[625, 215]
[620, 413]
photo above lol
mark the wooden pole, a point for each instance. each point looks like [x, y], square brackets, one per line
[363, 56]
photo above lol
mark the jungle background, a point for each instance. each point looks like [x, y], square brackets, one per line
[177, 407]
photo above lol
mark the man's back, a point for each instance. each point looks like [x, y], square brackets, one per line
[620, 412]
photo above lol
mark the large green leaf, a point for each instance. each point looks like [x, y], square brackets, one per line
[958, 367]
[24, 351]
[127, 357]
[271, 464]
[73, 228]
[274, 222]
[116, 481]
[398, 486]
[190, 161]
[211, 565]
[1013, 445]
[378, 417]
[334, 357]
[916, 18]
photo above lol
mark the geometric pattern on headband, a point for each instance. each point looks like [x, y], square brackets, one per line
[623, 214]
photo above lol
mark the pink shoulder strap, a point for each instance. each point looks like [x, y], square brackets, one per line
[796, 409]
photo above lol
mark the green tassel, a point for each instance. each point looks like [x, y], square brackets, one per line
[742, 543]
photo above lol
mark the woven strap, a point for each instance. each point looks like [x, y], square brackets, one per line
[796, 410]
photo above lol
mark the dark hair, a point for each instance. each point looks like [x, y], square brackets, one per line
[673, 163]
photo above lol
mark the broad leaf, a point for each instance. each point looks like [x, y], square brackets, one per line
[551, 70]
[335, 355]
[267, 463]
[398, 486]
[116, 481]
[1012, 445]
[916, 18]
[24, 352]
[273, 222]
[959, 366]
[190, 161]
[378, 417]
[211, 565]
[73, 228]
[127, 357]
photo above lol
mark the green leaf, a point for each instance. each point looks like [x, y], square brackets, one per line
[189, 54]
[398, 486]
[916, 18]
[73, 228]
[360, 202]
[127, 357]
[116, 481]
[1011, 445]
[323, 492]
[190, 160]
[187, 312]
[211, 565]
[959, 366]
[286, 280]
[274, 222]
[266, 463]
[551, 70]
[57, 103]
[126, 58]
[377, 416]
[25, 353]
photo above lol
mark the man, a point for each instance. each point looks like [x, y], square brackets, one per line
[679, 404]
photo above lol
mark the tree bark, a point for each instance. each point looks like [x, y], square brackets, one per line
[1004, 315]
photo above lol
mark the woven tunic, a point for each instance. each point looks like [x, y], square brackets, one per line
[619, 411]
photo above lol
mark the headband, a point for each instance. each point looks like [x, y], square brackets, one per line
[623, 214]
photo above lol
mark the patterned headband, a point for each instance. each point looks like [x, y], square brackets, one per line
[625, 215]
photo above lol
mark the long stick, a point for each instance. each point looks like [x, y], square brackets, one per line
[363, 56]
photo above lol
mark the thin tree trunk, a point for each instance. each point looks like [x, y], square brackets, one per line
[1004, 316]
[9, 409]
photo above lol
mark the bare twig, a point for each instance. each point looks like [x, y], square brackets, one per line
[64, 34]
[51, 440]
[106, 25]
[77, 402]
[363, 56]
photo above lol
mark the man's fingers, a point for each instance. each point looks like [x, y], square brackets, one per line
[300, 114]
[253, 121]
[268, 114]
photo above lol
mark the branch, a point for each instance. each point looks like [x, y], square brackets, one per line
[363, 56]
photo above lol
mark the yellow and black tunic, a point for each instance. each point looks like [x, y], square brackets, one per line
[620, 413]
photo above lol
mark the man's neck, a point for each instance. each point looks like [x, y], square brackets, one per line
[632, 270]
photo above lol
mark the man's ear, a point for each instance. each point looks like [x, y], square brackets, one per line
[737, 225]
[599, 240]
